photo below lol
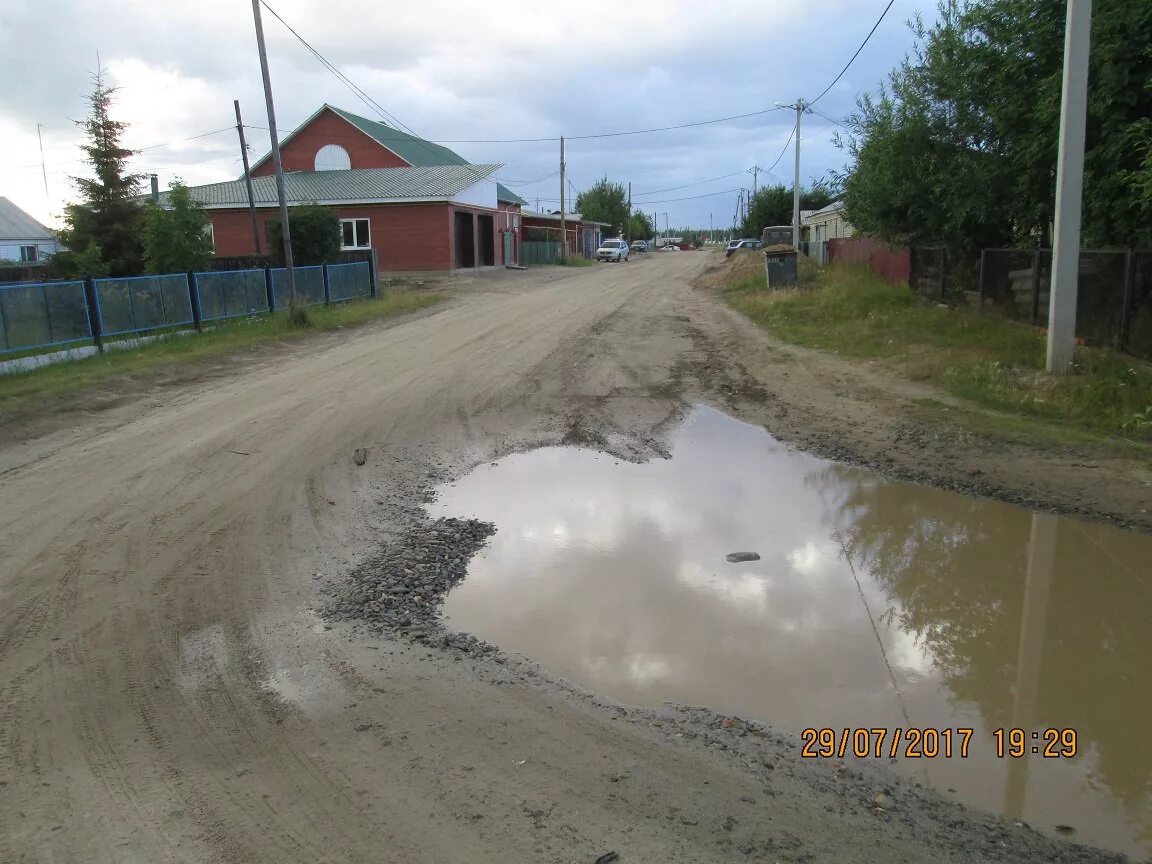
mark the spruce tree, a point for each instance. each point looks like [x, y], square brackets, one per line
[105, 224]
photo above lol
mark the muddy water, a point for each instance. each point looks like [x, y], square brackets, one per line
[873, 604]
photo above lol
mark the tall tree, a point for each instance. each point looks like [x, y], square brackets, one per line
[772, 205]
[176, 237]
[605, 202]
[640, 226]
[105, 224]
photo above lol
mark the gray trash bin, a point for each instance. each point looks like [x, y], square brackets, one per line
[781, 267]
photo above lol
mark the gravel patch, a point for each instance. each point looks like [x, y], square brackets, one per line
[399, 589]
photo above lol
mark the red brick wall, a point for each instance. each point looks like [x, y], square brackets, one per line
[299, 154]
[405, 236]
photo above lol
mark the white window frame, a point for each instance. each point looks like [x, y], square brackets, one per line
[29, 259]
[356, 234]
[210, 230]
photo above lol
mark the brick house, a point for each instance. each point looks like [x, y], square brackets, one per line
[420, 206]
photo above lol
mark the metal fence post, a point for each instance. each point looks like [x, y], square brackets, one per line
[1036, 287]
[1129, 300]
[95, 319]
[194, 300]
[980, 278]
[4, 321]
[327, 285]
[270, 289]
[372, 287]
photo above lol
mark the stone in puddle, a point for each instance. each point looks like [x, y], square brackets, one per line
[737, 557]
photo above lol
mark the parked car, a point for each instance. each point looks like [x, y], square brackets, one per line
[612, 250]
[742, 244]
[639, 246]
[669, 247]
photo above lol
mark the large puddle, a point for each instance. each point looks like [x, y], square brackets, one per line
[874, 604]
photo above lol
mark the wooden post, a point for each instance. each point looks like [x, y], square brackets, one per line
[327, 284]
[247, 178]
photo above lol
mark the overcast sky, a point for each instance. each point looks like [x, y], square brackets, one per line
[452, 70]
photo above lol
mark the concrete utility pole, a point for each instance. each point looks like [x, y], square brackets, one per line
[247, 177]
[286, 230]
[563, 227]
[796, 181]
[711, 232]
[755, 170]
[1069, 188]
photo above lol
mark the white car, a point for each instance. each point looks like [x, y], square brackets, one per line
[612, 250]
[669, 247]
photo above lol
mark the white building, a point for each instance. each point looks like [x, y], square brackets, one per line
[22, 238]
[827, 223]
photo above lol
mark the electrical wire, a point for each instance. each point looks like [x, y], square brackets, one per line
[829, 119]
[688, 185]
[791, 135]
[340, 76]
[854, 56]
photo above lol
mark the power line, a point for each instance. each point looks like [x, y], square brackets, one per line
[839, 123]
[182, 140]
[688, 185]
[791, 135]
[670, 128]
[340, 76]
[812, 102]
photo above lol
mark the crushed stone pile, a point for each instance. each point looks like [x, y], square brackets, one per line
[398, 591]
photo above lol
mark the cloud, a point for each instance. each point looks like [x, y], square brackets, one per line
[449, 70]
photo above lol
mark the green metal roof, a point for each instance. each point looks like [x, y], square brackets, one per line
[358, 185]
[503, 193]
[415, 151]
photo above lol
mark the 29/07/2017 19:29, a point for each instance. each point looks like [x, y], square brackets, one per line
[931, 743]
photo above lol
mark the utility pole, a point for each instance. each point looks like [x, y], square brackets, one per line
[285, 229]
[247, 177]
[1069, 188]
[711, 232]
[43, 168]
[563, 227]
[755, 169]
[796, 180]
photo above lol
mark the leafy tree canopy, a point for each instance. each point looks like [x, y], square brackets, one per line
[772, 205]
[960, 144]
[176, 238]
[605, 202]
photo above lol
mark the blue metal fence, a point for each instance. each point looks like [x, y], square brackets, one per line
[348, 281]
[136, 303]
[42, 314]
[309, 286]
[48, 314]
[231, 294]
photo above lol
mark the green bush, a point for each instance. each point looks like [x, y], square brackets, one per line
[315, 236]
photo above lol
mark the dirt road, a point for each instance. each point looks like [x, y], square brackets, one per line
[169, 692]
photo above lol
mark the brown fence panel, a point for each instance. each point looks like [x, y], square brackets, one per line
[889, 262]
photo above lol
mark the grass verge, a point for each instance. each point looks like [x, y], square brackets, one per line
[19, 389]
[989, 361]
